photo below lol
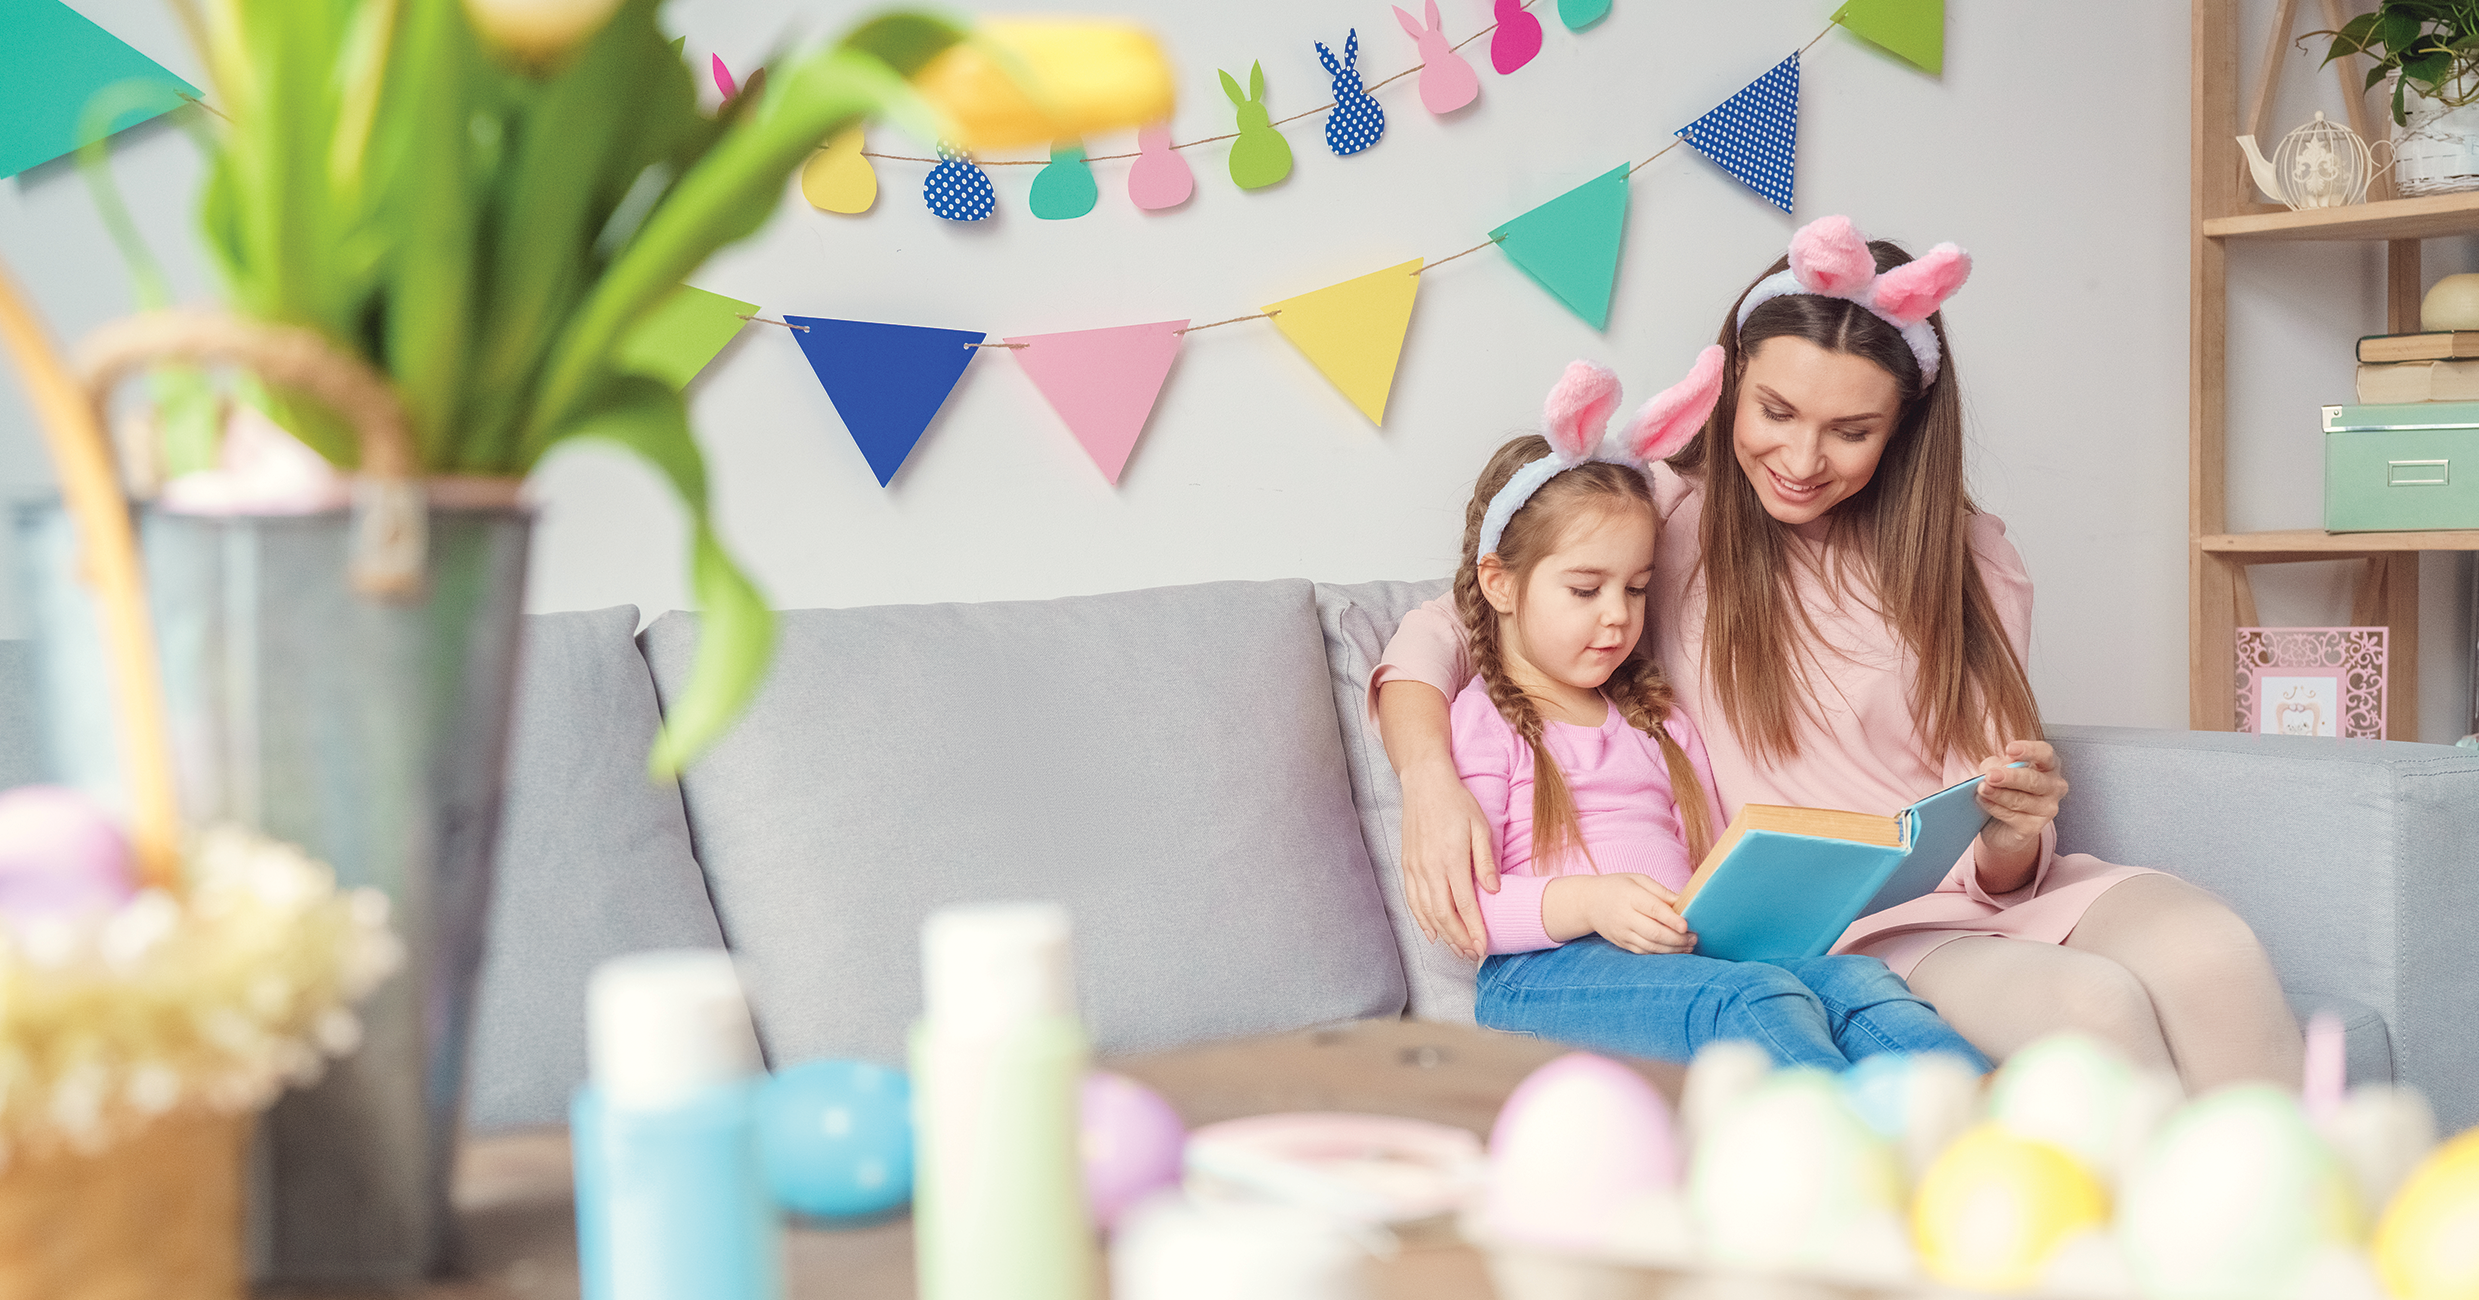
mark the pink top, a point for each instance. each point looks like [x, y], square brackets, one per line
[1857, 744]
[1623, 802]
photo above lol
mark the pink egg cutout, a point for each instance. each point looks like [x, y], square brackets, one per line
[1159, 178]
[1131, 1142]
[1578, 1140]
[60, 852]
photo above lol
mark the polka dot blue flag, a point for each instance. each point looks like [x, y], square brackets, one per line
[1754, 134]
[956, 189]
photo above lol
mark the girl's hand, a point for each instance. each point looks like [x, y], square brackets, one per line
[1637, 913]
[2023, 800]
[1446, 842]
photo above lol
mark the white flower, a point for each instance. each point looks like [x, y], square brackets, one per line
[137, 927]
[154, 1088]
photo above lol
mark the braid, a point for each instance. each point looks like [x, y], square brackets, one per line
[1642, 694]
[1555, 826]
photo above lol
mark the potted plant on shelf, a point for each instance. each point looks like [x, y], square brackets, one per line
[436, 223]
[2430, 51]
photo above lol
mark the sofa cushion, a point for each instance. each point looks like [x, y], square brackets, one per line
[21, 717]
[593, 862]
[1165, 763]
[2357, 863]
[1357, 621]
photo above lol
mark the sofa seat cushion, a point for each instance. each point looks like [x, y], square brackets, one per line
[1165, 763]
[593, 862]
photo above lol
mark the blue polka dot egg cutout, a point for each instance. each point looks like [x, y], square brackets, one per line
[836, 1138]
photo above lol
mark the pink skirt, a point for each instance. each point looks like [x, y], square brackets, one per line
[2045, 911]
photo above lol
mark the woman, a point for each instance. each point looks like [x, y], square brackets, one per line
[1848, 631]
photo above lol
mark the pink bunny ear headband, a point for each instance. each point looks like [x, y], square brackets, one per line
[1830, 258]
[1576, 420]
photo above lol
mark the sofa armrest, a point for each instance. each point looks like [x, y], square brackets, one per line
[2357, 863]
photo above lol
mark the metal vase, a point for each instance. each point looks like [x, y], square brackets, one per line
[374, 734]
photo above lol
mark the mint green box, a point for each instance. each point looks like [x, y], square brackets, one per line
[2402, 467]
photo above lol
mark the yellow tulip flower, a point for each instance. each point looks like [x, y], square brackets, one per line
[539, 31]
[1016, 82]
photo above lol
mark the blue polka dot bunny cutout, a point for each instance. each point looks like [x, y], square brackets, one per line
[1356, 122]
[956, 189]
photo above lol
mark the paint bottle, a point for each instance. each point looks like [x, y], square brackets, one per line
[998, 1063]
[671, 1194]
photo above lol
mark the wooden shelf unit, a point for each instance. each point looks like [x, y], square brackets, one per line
[2220, 590]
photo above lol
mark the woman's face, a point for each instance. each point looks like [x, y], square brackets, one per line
[1811, 426]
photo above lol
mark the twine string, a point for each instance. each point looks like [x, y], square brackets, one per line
[1263, 315]
[761, 320]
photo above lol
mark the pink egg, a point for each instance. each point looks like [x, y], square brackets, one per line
[1131, 1140]
[60, 853]
[1577, 1141]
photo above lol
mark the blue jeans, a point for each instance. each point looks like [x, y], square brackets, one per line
[1825, 1012]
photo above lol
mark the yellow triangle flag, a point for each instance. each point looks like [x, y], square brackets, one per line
[1353, 331]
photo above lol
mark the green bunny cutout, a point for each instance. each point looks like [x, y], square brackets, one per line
[1260, 156]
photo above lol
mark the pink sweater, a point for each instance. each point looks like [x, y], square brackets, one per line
[1623, 801]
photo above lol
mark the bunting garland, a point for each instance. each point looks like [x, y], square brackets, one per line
[1102, 382]
[1913, 30]
[57, 60]
[886, 381]
[1569, 245]
[1754, 134]
[1353, 331]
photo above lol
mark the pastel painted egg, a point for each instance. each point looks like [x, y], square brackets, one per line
[1578, 1140]
[2427, 1246]
[1918, 1103]
[2235, 1199]
[2076, 1094]
[1131, 1140]
[1721, 1076]
[1791, 1177]
[1996, 1206]
[836, 1138]
[2381, 1133]
[60, 853]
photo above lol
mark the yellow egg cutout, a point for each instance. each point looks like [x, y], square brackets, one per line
[1995, 1207]
[2427, 1246]
[838, 179]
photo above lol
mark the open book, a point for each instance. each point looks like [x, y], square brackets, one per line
[1786, 882]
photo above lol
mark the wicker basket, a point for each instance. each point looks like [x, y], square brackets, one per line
[154, 1215]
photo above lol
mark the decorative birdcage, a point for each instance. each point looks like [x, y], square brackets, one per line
[2322, 164]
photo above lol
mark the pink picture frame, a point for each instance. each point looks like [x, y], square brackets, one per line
[2312, 681]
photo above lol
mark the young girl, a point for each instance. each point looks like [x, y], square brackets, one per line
[1595, 789]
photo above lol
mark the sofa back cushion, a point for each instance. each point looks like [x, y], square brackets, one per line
[1165, 763]
[593, 862]
[1357, 621]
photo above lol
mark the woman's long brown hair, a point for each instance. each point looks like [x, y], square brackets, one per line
[1902, 544]
[1637, 689]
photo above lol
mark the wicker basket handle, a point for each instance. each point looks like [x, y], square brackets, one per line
[389, 511]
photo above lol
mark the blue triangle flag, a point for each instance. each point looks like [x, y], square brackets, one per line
[886, 381]
[1754, 134]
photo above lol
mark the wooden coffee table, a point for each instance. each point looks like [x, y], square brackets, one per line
[512, 1192]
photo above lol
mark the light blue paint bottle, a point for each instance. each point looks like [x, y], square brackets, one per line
[671, 1193]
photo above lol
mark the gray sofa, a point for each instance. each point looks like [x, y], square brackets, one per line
[1188, 769]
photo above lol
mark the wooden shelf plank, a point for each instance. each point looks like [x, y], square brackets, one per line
[2431, 217]
[2318, 543]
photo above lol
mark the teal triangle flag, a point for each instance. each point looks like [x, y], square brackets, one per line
[1570, 244]
[1754, 134]
[52, 61]
[886, 381]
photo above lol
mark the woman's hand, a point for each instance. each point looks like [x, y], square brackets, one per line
[1638, 913]
[1446, 843]
[2023, 801]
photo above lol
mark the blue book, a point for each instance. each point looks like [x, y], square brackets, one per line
[1786, 882]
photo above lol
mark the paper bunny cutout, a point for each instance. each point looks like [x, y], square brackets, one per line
[956, 189]
[1446, 81]
[1261, 156]
[1064, 190]
[1159, 178]
[1580, 14]
[1830, 258]
[1517, 39]
[1575, 419]
[1356, 122]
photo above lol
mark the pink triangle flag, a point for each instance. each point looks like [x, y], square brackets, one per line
[1102, 382]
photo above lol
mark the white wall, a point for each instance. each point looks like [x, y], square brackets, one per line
[2054, 148]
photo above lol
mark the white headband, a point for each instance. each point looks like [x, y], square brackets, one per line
[1576, 420]
[1830, 259]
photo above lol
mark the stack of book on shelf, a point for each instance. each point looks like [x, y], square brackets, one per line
[2436, 366]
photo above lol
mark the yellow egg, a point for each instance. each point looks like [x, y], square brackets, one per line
[2453, 304]
[1995, 1207]
[837, 178]
[2427, 1247]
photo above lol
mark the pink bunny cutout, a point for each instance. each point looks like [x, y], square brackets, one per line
[1517, 39]
[1159, 178]
[1575, 420]
[1831, 259]
[1446, 81]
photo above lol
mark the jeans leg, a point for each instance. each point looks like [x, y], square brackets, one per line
[1594, 994]
[1871, 1010]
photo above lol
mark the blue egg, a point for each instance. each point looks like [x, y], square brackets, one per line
[1875, 1088]
[836, 1137]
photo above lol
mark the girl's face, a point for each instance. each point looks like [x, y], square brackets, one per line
[1583, 604]
[1811, 426]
